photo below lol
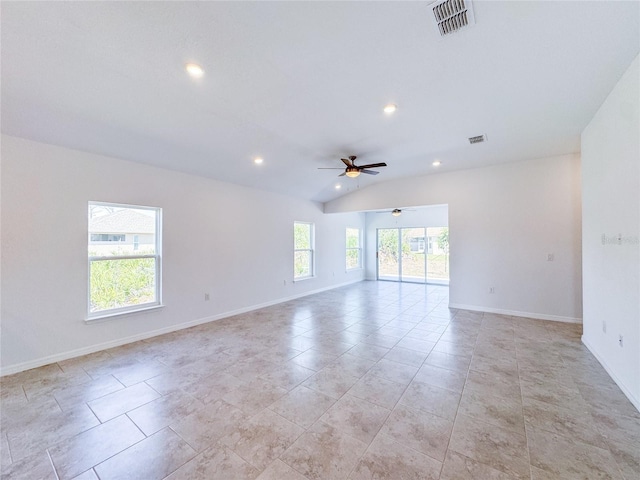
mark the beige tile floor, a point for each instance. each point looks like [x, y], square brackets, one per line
[376, 380]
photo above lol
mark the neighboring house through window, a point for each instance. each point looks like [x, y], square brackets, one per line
[303, 255]
[124, 258]
[105, 237]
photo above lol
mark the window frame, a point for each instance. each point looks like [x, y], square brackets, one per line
[113, 312]
[358, 248]
[311, 250]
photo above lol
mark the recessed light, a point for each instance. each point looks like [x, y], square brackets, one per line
[258, 160]
[437, 163]
[390, 108]
[338, 186]
[194, 70]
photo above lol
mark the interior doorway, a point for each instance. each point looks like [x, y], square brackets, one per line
[413, 254]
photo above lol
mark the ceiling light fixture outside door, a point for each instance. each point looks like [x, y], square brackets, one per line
[396, 212]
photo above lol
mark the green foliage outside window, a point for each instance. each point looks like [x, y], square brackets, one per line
[353, 258]
[122, 283]
[302, 236]
[353, 248]
[303, 246]
[443, 243]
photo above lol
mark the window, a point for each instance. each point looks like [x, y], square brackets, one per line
[303, 250]
[124, 258]
[354, 249]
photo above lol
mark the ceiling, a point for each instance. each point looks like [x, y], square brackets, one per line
[303, 83]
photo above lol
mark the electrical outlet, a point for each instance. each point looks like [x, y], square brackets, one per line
[604, 327]
[285, 282]
[492, 290]
[620, 341]
[207, 297]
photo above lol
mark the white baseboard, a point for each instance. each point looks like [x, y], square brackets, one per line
[614, 377]
[514, 313]
[58, 357]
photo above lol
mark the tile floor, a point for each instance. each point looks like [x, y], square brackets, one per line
[376, 380]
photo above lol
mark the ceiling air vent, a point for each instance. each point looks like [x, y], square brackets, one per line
[452, 15]
[478, 139]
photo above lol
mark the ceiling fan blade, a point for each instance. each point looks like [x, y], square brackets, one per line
[347, 162]
[342, 174]
[373, 165]
[369, 172]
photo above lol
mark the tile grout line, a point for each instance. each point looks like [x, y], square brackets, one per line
[8, 447]
[453, 423]
[52, 465]
[526, 435]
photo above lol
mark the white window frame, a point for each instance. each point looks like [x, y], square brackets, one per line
[158, 263]
[358, 248]
[311, 250]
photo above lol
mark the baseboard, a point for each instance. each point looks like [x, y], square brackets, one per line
[635, 401]
[514, 313]
[59, 357]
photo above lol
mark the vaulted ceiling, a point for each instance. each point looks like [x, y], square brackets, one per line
[301, 84]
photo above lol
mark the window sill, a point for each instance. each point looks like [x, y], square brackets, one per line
[356, 269]
[302, 279]
[107, 316]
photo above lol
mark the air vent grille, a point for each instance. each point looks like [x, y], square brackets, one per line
[478, 139]
[452, 15]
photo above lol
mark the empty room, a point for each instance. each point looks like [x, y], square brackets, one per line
[320, 240]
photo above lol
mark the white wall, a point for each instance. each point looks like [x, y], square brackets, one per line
[503, 222]
[434, 216]
[611, 207]
[234, 242]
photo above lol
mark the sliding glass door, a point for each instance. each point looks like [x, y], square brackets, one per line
[418, 255]
[438, 255]
[413, 261]
[401, 254]
[388, 254]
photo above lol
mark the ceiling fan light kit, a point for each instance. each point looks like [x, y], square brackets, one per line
[352, 170]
